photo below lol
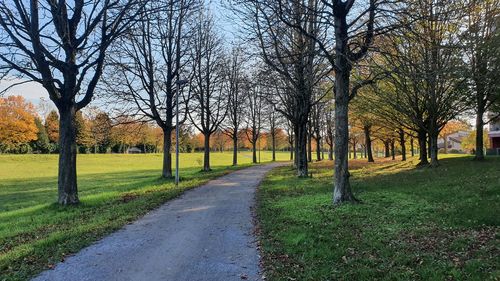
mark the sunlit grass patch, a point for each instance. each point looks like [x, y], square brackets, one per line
[115, 189]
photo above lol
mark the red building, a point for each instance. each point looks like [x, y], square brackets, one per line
[494, 139]
[494, 136]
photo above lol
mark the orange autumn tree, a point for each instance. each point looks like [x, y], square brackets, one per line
[17, 122]
[52, 126]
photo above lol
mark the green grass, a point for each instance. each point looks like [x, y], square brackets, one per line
[413, 224]
[114, 189]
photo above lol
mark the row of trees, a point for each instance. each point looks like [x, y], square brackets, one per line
[410, 65]
[23, 131]
[401, 68]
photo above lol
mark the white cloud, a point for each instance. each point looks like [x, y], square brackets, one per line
[31, 91]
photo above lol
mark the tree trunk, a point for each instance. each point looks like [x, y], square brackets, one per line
[479, 136]
[322, 151]
[429, 147]
[403, 145]
[206, 156]
[167, 154]
[330, 152]
[67, 184]
[301, 150]
[235, 150]
[422, 139]
[318, 149]
[368, 139]
[354, 152]
[273, 140]
[386, 147]
[309, 145]
[412, 147]
[291, 152]
[393, 149]
[296, 148]
[254, 152]
[342, 188]
[433, 136]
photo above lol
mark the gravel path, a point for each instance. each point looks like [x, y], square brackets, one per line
[205, 234]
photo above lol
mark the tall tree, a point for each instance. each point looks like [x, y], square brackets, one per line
[482, 49]
[153, 59]
[364, 112]
[209, 107]
[254, 104]
[62, 46]
[350, 30]
[441, 59]
[237, 84]
[426, 72]
[292, 57]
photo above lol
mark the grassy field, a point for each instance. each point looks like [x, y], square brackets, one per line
[36, 233]
[413, 224]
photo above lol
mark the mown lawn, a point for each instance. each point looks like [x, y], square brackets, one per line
[114, 189]
[413, 224]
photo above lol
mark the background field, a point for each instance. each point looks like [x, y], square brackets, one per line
[36, 233]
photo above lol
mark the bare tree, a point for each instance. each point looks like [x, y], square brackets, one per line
[273, 119]
[317, 124]
[209, 101]
[237, 84]
[482, 49]
[62, 46]
[152, 59]
[254, 104]
[351, 45]
[292, 58]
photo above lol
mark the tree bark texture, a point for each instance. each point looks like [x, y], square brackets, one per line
[301, 150]
[67, 183]
[206, 156]
[318, 149]
[235, 150]
[167, 154]
[422, 143]
[342, 187]
[368, 140]
[402, 144]
[479, 136]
